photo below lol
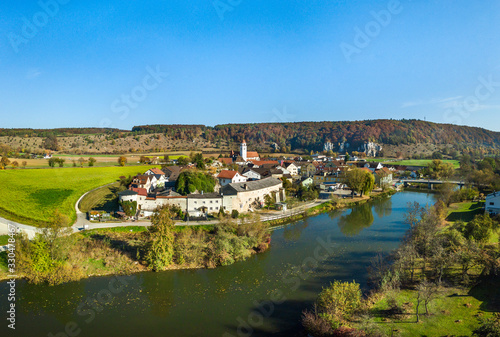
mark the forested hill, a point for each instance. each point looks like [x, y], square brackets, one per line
[312, 135]
[306, 136]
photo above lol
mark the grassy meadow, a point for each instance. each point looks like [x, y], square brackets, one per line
[422, 162]
[32, 196]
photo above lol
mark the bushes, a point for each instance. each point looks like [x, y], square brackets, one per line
[489, 327]
[226, 244]
[334, 307]
[129, 207]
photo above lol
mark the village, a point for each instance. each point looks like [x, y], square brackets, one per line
[246, 182]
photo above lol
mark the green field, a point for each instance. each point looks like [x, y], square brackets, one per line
[421, 162]
[103, 199]
[32, 196]
[465, 211]
[454, 312]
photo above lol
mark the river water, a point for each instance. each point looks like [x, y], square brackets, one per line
[261, 296]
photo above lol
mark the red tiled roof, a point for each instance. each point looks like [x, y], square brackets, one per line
[140, 191]
[227, 174]
[366, 169]
[262, 162]
[157, 171]
[252, 154]
[227, 161]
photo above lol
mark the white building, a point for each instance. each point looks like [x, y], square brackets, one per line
[492, 204]
[252, 174]
[227, 177]
[245, 196]
[292, 168]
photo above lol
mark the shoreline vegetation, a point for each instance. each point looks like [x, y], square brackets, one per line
[126, 250]
[442, 280]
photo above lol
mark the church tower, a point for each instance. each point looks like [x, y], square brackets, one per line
[243, 150]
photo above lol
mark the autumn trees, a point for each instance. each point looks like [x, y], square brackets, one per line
[225, 244]
[122, 161]
[360, 181]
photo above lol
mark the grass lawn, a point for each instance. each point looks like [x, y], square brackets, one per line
[453, 313]
[4, 240]
[465, 211]
[32, 196]
[104, 198]
[422, 162]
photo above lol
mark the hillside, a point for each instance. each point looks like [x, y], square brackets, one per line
[395, 137]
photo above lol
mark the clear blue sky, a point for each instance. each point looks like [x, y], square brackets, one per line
[87, 63]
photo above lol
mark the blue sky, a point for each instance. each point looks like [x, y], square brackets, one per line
[126, 63]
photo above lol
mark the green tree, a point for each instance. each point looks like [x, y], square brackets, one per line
[129, 207]
[183, 161]
[339, 300]
[92, 161]
[190, 181]
[50, 143]
[160, 247]
[54, 230]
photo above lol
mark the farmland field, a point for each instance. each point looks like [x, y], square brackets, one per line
[31, 196]
[422, 162]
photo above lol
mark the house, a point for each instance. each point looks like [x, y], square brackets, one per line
[172, 172]
[251, 174]
[292, 168]
[306, 169]
[263, 163]
[252, 194]
[492, 204]
[203, 204]
[306, 181]
[383, 177]
[161, 179]
[144, 181]
[227, 177]
[154, 171]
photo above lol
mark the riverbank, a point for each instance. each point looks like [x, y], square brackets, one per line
[332, 205]
[110, 251]
[468, 293]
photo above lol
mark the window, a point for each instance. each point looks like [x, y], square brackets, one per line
[196, 202]
[492, 203]
[210, 208]
[211, 201]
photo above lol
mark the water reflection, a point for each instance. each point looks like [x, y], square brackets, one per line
[359, 218]
[383, 207]
[293, 233]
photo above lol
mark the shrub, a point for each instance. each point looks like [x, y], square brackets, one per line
[235, 214]
[340, 300]
[489, 327]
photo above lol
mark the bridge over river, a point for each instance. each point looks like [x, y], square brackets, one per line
[431, 182]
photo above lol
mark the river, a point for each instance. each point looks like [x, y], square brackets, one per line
[261, 296]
